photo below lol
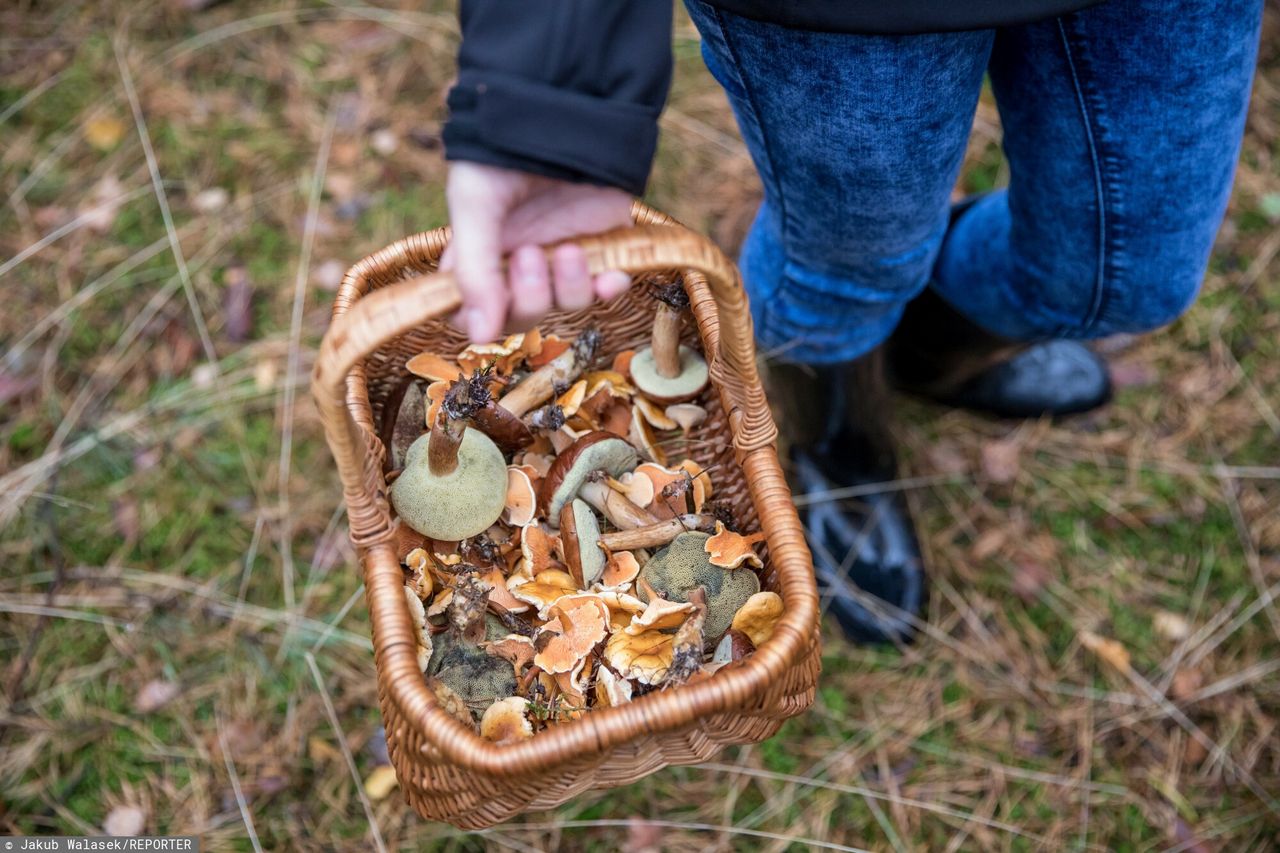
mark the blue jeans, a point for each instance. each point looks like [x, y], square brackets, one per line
[1122, 125]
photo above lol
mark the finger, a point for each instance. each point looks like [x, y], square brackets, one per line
[477, 258]
[611, 283]
[530, 286]
[572, 281]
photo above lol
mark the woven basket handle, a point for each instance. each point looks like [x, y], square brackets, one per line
[388, 312]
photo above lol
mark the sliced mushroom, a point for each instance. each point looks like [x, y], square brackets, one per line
[454, 483]
[579, 537]
[668, 372]
[539, 386]
[592, 452]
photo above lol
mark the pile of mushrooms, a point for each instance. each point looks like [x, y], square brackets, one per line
[559, 555]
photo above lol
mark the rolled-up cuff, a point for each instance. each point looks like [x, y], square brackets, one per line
[512, 122]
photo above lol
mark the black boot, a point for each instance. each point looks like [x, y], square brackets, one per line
[938, 353]
[870, 573]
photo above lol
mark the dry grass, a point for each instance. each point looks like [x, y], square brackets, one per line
[1100, 665]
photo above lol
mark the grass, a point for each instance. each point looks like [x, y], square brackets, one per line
[146, 532]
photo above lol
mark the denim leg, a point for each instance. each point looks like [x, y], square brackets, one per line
[1122, 128]
[858, 141]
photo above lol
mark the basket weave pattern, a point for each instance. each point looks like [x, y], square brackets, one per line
[392, 306]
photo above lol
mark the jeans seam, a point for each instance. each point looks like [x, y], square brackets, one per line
[1087, 119]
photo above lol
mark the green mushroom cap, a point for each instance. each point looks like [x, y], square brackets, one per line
[477, 676]
[684, 565]
[459, 504]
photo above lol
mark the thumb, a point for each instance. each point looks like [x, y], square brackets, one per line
[476, 256]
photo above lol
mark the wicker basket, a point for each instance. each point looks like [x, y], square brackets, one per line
[389, 308]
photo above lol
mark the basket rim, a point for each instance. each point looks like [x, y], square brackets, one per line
[596, 732]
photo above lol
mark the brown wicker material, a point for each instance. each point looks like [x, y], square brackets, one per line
[388, 309]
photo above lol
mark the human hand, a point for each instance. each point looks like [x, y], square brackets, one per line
[495, 211]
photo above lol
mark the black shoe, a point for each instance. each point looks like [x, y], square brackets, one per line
[939, 354]
[870, 572]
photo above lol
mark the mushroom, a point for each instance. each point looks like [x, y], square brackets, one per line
[450, 701]
[640, 434]
[410, 423]
[418, 614]
[505, 721]
[620, 570]
[611, 690]
[654, 414]
[660, 614]
[544, 590]
[433, 367]
[454, 483]
[642, 657]
[729, 550]
[734, 646]
[686, 415]
[684, 566]
[594, 451]
[471, 672]
[539, 386]
[571, 635]
[521, 500]
[419, 564]
[656, 535]
[579, 535]
[613, 504]
[515, 649]
[686, 649]
[668, 372]
[758, 616]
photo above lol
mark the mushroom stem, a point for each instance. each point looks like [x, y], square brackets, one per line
[666, 340]
[540, 386]
[656, 535]
[613, 505]
[442, 447]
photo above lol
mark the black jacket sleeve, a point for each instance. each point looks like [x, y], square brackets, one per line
[564, 88]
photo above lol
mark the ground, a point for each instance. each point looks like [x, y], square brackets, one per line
[179, 607]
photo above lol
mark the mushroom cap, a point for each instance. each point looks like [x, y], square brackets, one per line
[594, 451]
[477, 676]
[684, 566]
[457, 505]
[579, 535]
[758, 616]
[685, 385]
[505, 721]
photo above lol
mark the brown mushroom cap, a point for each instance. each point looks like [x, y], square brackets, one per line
[594, 451]
[686, 385]
[506, 721]
[459, 504]
[579, 535]
[683, 566]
